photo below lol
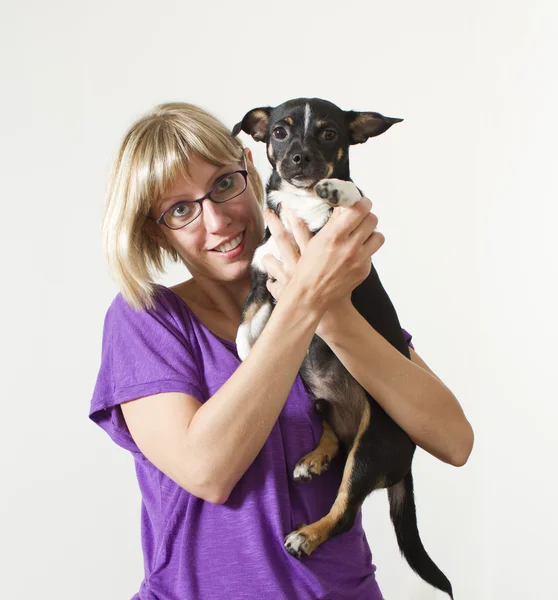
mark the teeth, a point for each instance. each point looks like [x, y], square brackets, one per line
[230, 245]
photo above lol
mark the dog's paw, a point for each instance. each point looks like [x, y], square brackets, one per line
[250, 329]
[296, 544]
[311, 466]
[337, 192]
[243, 342]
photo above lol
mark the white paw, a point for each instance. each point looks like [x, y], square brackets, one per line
[295, 544]
[311, 466]
[243, 342]
[337, 192]
[250, 330]
[302, 472]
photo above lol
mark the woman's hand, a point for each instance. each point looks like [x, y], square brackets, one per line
[290, 245]
[329, 265]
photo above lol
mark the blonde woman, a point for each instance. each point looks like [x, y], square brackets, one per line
[215, 440]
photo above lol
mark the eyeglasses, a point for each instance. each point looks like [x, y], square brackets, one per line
[226, 188]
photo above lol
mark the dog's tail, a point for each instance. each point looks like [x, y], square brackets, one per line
[404, 518]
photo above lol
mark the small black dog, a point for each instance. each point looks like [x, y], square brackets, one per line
[308, 146]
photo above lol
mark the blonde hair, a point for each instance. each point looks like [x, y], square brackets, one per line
[155, 151]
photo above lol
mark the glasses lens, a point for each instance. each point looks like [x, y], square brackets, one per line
[230, 186]
[182, 214]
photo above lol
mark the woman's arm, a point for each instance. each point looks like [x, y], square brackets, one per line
[413, 396]
[206, 448]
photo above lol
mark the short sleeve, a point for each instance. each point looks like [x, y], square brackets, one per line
[143, 353]
[408, 338]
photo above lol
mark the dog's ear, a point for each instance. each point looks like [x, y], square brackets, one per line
[364, 125]
[254, 123]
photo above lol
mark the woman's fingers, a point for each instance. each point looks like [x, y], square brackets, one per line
[288, 248]
[274, 267]
[365, 228]
[301, 233]
[367, 236]
[346, 219]
[374, 243]
[277, 278]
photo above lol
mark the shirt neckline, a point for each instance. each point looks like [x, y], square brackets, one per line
[193, 315]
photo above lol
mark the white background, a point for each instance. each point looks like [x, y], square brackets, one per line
[465, 190]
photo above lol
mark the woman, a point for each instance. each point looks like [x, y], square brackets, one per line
[215, 440]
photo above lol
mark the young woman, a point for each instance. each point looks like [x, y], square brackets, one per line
[215, 440]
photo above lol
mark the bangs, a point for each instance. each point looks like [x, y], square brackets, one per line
[165, 148]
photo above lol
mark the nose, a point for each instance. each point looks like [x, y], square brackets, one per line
[215, 216]
[301, 158]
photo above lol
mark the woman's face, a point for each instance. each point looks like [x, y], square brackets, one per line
[217, 224]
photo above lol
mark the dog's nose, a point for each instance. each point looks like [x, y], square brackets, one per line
[302, 157]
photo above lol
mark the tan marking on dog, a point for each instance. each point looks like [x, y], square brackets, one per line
[319, 459]
[319, 123]
[330, 168]
[339, 154]
[259, 120]
[260, 114]
[319, 532]
[359, 125]
[289, 120]
[251, 312]
[359, 121]
[270, 151]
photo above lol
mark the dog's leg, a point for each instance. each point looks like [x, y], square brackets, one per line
[318, 461]
[257, 310]
[259, 304]
[337, 192]
[340, 518]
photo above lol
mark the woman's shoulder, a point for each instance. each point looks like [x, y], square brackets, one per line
[168, 310]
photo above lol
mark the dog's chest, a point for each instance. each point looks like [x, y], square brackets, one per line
[306, 205]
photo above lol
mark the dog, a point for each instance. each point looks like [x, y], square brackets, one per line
[308, 141]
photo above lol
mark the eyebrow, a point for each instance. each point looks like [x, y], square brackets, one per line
[213, 178]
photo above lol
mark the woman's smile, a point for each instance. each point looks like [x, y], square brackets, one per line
[232, 247]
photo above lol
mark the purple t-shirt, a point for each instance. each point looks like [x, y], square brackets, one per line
[195, 550]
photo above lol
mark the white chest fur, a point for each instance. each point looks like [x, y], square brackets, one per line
[310, 207]
[306, 205]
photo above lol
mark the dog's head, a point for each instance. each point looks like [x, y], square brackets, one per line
[308, 139]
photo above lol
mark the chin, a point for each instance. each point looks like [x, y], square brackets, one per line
[236, 271]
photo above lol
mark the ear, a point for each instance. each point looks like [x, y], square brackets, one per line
[254, 123]
[249, 156]
[364, 125]
[154, 232]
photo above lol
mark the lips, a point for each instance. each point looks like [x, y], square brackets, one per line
[229, 244]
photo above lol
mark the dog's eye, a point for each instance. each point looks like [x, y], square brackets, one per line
[329, 135]
[279, 133]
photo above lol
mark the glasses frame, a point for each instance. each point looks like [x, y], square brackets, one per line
[243, 172]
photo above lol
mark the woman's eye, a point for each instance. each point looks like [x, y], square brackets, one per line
[180, 210]
[225, 184]
[329, 135]
[279, 133]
